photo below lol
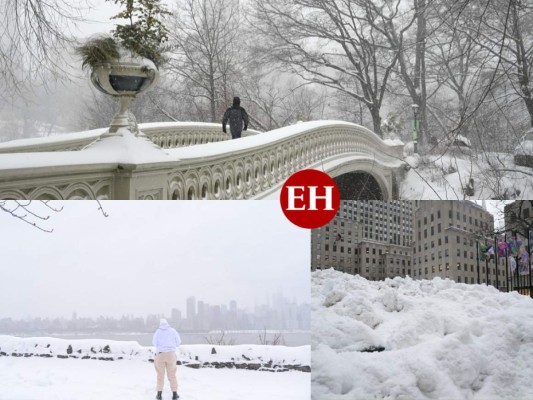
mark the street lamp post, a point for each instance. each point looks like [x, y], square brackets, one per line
[415, 126]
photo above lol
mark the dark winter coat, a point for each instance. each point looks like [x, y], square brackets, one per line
[237, 117]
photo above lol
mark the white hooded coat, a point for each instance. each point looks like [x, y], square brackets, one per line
[166, 338]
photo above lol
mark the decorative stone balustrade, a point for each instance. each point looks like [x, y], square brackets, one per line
[171, 135]
[192, 161]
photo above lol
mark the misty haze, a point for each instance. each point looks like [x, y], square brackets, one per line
[212, 269]
[430, 99]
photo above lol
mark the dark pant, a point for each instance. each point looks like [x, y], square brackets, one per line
[235, 134]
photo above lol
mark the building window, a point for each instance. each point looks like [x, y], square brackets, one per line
[446, 239]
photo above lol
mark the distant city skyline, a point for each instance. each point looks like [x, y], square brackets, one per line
[147, 256]
[282, 314]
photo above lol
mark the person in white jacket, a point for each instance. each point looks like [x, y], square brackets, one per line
[166, 340]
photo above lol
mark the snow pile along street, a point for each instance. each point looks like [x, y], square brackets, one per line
[415, 339]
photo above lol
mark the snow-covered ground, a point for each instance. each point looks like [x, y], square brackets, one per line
[45, 368]
[75, 379]
[436, 339]
[440, 177]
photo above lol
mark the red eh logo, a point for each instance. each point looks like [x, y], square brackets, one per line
[310, 198]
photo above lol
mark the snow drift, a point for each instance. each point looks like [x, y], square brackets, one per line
[416, 339]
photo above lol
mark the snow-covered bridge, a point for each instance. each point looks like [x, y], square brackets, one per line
[195, 161]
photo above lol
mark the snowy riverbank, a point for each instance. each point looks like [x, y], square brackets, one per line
[63, 369]
[408, 339]
[251, 357]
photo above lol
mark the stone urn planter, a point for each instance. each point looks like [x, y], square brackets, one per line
[124, 79]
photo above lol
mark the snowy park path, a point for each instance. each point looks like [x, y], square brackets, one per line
[73, 379]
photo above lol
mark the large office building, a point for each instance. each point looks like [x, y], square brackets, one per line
[519, 217]
[422, 239]
[369, 238]
[447, 234]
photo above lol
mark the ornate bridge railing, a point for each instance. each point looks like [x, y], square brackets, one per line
[164, 134]
[169, 135]
[156, 167]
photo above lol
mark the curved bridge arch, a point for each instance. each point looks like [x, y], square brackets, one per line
[197, 161]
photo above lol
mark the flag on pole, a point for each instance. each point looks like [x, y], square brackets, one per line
[502, 248]
[512, 264]
[523, 262]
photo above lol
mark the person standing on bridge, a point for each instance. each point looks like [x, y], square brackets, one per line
[237, 117]
[166, 340]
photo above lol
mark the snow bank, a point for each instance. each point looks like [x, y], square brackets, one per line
[417, 339]
[525, 148]
[441, 177]
[253, 357]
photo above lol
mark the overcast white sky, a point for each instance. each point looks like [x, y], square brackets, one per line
[147, 257]
[97, 14]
